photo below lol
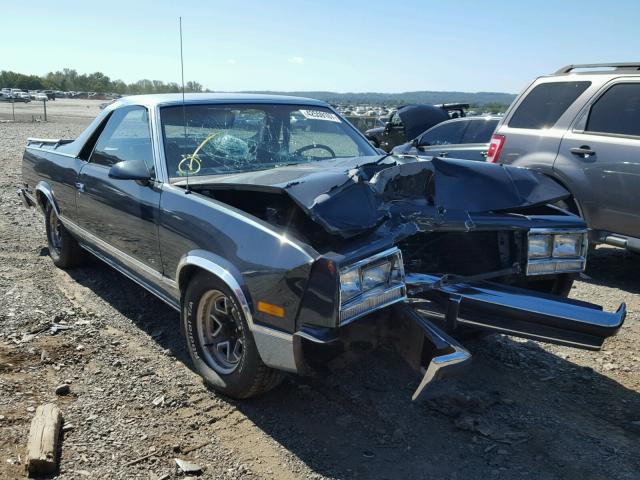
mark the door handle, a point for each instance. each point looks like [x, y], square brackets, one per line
[583, 151]
[80, 187]
[443, 154]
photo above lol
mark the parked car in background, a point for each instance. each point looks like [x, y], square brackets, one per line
[41, 97]
[20, 97]
[365, 123]
[467, 138]
[581, 126]
[408, 122]
[282, 246]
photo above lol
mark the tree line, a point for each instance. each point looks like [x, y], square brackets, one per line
[69, 80]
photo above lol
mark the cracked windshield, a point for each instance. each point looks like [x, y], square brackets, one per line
[209, 140]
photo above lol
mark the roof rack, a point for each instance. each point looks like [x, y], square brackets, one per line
[615, 66]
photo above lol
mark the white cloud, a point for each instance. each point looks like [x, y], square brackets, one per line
[297, 60]
[232, 61]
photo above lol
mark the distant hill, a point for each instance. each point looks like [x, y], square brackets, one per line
[374, 98]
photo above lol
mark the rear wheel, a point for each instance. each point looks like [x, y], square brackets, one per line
[220, 343]
[63, 248]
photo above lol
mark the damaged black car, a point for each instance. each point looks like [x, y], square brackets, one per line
[278, 232]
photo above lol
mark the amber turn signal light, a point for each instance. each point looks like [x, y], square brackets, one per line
[271, 309]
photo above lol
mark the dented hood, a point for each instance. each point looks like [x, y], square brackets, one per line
[349, 196]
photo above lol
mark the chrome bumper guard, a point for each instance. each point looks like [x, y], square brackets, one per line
[428, 349]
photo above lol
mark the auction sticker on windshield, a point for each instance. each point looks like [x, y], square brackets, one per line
[320, 115]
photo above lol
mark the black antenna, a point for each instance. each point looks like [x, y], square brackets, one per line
[184, 110]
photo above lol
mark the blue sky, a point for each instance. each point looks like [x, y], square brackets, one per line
[361, 46]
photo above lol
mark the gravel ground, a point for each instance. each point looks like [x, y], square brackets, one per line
[525, 410]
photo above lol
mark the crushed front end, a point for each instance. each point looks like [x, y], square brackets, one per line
[439, 269]
[418, 250]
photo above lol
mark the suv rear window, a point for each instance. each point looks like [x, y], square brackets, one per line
[617, 112]
[546, 103]
[479, 131]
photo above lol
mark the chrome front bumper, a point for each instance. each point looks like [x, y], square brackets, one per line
[419, 324]
[516, 311]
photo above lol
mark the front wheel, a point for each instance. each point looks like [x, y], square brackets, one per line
[63, 248]
[220, 343]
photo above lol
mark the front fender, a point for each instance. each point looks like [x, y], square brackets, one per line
[275, 347]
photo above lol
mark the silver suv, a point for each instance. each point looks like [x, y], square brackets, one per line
[581, 126]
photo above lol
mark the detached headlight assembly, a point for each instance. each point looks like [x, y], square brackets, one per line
[552, 251]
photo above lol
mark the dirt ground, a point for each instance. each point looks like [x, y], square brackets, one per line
[61, 110]
[525, 410]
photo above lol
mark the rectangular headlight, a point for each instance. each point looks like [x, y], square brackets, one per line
[350, 284]
[556, 251]
[376, 275]
[567, 245]
[540, 246]
[371, 284]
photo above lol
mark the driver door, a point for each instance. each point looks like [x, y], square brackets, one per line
[121, 214]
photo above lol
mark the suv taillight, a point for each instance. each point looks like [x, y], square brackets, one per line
[495, 147]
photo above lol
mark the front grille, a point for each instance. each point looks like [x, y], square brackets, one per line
[460, 253]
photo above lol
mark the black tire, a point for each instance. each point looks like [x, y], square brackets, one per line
[568, 204]
[63, 248]
[243, 376]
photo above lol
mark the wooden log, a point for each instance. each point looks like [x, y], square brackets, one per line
[42, 448]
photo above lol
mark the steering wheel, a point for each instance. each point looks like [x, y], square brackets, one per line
[312, 146]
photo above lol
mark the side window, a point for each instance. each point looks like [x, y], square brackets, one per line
[546, 103]
[446, 134]
[126, 136]
[479, 131]
[617, 111]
